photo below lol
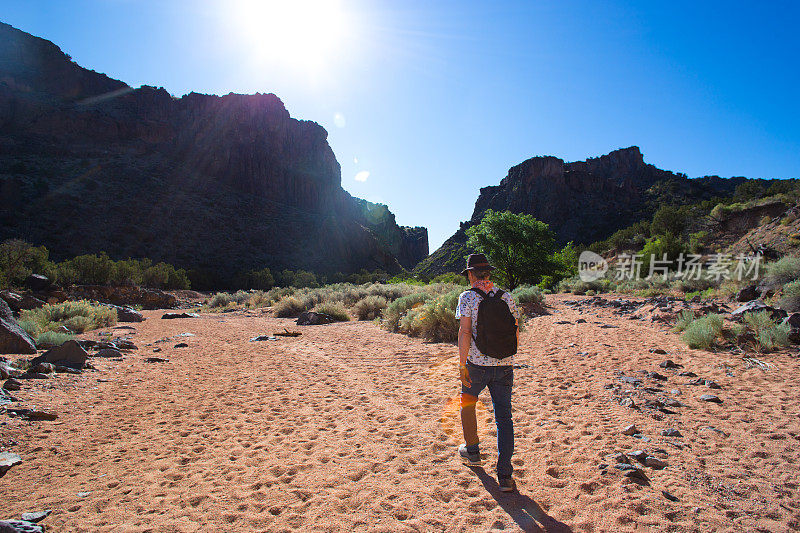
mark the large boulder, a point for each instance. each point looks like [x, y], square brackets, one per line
[19, 526]
[13, 339]
[69, 354]
[37, 282]
[312, 318]
[20, 302]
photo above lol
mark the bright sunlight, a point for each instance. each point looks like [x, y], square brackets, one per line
[302, 34]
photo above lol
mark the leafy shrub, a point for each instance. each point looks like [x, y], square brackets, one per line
[18, 259]
[703, 332]
[773, 337]
[526, 294]
[685, 318]
[31, 327]
[335, 310]
[451, 277]
[370, 307]
[396, 310]
[79, 324]
[790, 299]
[289, 307]
[783, 271]
[52, 338]
[221, 299]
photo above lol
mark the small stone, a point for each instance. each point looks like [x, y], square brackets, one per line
[125, 344]
[628, 402]
[156, 350]
[639, 455]
[631, 380]
[12, 384]
[169, 316]
[581, 321]
[656, 375]
[672, 403]
[654, 462]
[669, 496]
[155, 360]
[19, 526]
[630, 430]
[625, 467]
[669, 363]
[7, 460]
[36, 516]
[688, 374]
[670, 432]
[34, 375]
[712, 384]
[181, 345]
[658, 351]
[602, 466]
[675, 392]
[710, 398]
[83, 494]
[32, 414]
[108, 352]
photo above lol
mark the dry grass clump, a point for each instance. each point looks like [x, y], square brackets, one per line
[685, 318]
[790, 299]
[399, 308]
[528, 294]
[289, 307]
[783, 271]
[434, 320]
[370, 307]
[335, 310]
[76, 316]
[52, 338]
[769, 334]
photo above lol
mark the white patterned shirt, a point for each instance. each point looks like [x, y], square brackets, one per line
[468, 304]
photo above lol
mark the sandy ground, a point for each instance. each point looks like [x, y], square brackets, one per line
[351, 428]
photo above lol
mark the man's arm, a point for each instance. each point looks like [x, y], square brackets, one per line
[464, 342]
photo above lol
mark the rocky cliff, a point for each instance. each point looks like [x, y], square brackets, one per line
[582, 201]
[224, 184]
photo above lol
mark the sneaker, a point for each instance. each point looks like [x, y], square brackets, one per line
[469, 459]
[507, 484]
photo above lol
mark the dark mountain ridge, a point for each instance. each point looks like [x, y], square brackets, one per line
[224, 184]
[582, 201]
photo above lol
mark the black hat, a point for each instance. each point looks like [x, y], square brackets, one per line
[477, 262]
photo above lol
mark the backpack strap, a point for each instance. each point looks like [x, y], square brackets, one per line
[479, 292]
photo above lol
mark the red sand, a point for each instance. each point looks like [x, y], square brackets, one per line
[351, 428]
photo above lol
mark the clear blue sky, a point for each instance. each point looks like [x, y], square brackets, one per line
[437, 99]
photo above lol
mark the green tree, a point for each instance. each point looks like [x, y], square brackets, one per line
[18, 259]
[657, 247]
[519, 246]
[669, 219]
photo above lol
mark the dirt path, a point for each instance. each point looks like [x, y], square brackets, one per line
[351, 428]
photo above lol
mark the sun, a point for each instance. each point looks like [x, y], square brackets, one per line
[303, 34]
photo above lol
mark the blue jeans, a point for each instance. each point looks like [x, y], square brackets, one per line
[500, 380]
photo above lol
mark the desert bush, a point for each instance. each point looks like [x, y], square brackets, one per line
[435, 320]
[526, 294]
[783, 271]
[790, 299]
[31, 327]
[288, 307]
[18, 259]
[703, 332]
[685, 318]
[758, 321]
[370, 307]
[451, 277]
[396, 310]
[52, 338]
[335, 310]
[221, 299]
[393, 291]
[51, 317]
[591, 292]
[775, 336]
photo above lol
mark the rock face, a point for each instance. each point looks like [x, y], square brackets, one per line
[583, 201]
[13, 338]
[216, 184]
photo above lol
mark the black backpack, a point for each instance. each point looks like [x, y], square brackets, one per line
[497, 327]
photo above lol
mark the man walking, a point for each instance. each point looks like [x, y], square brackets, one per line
[487, 341]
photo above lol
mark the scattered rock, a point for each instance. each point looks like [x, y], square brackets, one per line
[658, 351]
[13, 339]
[83, 494]
[619, 458]
[747, 294]
[628, 402]
[264, 338]
[312, 318]
[755, 306]
[675, 392]
[181, 345]
[108, 352]
[34, 375]
[688, 374]
[19, 526]
[155, 360]
[127, 314]
[669, 363]
[654, 462]
[44, 368]
[710, 398]
[630, 380]
[12, 384]
[37, 516]
[125, 344]
[672, 403]
[630, 430]
[69, 354]
[715, 430]
[656, 375]
[639, 455]
[669, 496]
[581, 321]
[670, 432]
[32, 414]
[8, 460]
[156, 350]
[169, 316]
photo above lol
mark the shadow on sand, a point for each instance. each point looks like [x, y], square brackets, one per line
[524, 510]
